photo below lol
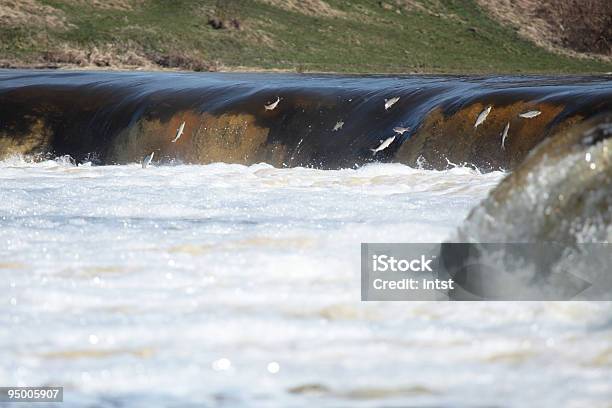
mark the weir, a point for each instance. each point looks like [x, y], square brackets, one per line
[120, 117]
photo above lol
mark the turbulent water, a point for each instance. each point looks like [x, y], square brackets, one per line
[212, 279]
[234, 285]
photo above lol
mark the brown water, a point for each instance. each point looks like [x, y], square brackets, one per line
[321, 121]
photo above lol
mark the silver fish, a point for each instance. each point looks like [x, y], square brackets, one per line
[390, 102]
[147, 160]
[179, 132]
[338, 125]
[505, 135]
[383, 145]
[272, 105]
[530, 114]
[401, 130]
[483, 116]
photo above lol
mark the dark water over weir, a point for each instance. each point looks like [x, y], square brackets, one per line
[121, 117]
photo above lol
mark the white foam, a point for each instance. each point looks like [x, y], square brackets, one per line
[174, 269]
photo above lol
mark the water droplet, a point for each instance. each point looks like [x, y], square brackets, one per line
[273, 367]
[221, 364]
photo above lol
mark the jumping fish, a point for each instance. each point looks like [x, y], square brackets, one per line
[338, 125]
[272, 105]
[390, 102]
[179, 132]
[401, 130]
[384, 144]
[505, 135]
[147, 160]
[530, 114]
[483, 116]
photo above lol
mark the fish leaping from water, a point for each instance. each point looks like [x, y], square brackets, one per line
[390, 102]
[179, 132]
[383, 145]
[505, 135]
[272, 105]
[147, 160]
[530, 114]
[400, 130]
[338, 125]
[483, 116]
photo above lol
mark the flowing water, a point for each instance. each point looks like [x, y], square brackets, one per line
[228, 272]
[322, 121]
[230, 285]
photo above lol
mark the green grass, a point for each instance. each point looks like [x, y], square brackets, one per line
[453, 36]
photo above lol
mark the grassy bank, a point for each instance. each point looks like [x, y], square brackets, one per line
[311, 35]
